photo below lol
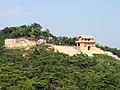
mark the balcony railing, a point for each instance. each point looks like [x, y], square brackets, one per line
[85, 41]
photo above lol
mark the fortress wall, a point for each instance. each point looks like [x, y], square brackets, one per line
[9, 42]
[19, 43]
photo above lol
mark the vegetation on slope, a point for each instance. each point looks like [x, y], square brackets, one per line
[41, 68]
[115, 51]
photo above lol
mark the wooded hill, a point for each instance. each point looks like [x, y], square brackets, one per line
[40, 68]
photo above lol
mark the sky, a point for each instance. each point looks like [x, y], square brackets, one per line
[100, 18]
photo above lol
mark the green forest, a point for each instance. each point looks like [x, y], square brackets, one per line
[40, 68]
[35, 30]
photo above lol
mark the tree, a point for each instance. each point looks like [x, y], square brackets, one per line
[36, 30]
[1, 42]
[46, 34]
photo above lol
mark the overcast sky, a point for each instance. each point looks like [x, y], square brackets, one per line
[100, 18]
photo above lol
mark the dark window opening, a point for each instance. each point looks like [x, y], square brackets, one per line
[89, 47]
[89, 39]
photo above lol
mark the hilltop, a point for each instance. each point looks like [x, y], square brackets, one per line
[70, 50]
[25, 33]
[62, 67]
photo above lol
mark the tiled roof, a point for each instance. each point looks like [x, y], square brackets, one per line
[86, 36]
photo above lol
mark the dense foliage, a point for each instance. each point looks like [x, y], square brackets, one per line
[35, 31]
[115, 51]
[40, 68]
[1, 43]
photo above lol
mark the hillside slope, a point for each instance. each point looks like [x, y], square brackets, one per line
[65, 49]
[73, 50]
[40, 68]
